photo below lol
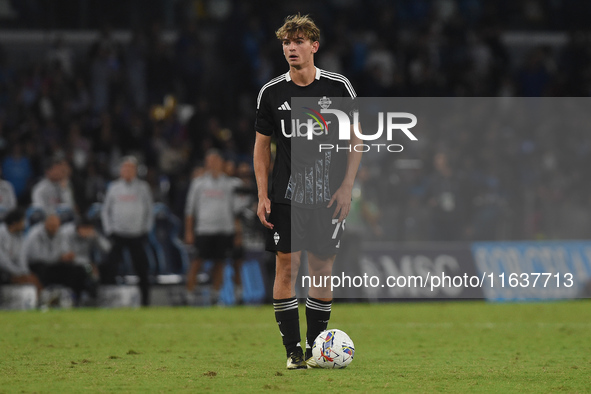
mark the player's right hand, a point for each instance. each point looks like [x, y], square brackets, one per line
[263, 212]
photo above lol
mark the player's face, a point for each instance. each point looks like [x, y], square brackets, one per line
[299, 51]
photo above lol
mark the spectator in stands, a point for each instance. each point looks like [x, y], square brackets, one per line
[42, 252]
[61, 55]
[54, 189]
[7, 197]
[135, 57]
[11, 268]
[210, 222]
[16, 169]
[127, 219]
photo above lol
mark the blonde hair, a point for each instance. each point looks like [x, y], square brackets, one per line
[295, 24]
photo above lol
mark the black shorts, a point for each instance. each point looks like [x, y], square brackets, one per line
[214, 247]
[298, 229]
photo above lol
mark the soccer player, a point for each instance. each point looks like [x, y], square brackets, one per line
[289, 200]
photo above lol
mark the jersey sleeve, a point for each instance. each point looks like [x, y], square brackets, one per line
[348, 95]
[264, 117]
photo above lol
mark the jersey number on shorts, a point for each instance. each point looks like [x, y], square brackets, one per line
[338, 225]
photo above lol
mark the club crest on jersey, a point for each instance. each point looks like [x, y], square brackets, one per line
[324, 102]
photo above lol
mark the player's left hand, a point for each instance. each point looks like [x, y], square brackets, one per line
[342, 197]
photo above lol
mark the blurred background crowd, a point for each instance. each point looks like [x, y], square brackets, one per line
[94, 80]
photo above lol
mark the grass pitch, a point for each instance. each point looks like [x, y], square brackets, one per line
[400, 347]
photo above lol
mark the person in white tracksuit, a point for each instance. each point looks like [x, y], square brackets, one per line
[53, 190]
[42, 252]
[210, 219]
[12, 268]
[127, 218]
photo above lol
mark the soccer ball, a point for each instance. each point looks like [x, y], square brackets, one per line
[333, 349]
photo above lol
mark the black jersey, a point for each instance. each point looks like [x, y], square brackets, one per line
[310, 177]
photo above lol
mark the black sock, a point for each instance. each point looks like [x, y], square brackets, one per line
[288, 319]
[317, 316]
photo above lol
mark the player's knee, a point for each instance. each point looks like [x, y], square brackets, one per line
[320, 270]
[283, 273]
